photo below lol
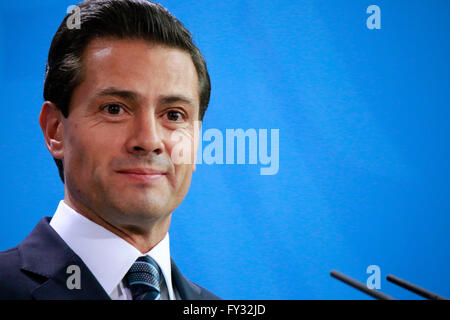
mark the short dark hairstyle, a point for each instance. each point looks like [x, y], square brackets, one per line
[121, 19]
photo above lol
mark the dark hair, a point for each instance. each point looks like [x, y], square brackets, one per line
[122, 19]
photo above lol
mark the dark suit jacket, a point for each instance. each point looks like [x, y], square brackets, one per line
[37, 269]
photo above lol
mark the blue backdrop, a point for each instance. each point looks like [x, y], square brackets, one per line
[363, 118]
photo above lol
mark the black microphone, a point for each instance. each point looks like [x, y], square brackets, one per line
[416, 289]
[382, 296]
[360, 286]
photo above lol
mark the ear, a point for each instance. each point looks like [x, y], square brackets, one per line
[51, 124]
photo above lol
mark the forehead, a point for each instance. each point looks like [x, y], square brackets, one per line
[136, 65]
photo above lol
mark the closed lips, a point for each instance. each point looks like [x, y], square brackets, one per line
[142, 172]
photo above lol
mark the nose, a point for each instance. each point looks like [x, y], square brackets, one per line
[145, 135]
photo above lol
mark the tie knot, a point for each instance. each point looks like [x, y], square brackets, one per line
[144, 278]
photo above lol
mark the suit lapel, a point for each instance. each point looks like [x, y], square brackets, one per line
[45, 255]
[186, 289]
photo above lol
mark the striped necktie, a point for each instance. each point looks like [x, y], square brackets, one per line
[144, 279]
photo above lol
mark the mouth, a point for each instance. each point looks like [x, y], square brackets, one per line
[142, 175]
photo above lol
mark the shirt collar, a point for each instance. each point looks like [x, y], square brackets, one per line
[107, 256]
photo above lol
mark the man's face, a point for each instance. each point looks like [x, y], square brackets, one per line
[122, 130]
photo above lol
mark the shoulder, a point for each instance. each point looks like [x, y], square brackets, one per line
[187, 289]
[9, 260]
[204, 293]
[12, 279]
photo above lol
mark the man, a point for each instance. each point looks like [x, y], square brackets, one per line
[123, 96]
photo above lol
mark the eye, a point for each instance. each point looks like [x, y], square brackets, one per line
[174, 115]
[113, 108]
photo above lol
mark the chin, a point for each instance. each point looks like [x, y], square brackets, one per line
[142, 209]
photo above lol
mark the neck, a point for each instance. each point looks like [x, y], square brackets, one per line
[143, 236]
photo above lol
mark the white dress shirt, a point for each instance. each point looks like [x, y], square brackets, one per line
[108, 256]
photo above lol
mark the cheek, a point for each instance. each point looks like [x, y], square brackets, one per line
[181, 147]
[183, 177]
[88, 153]
[74, 153]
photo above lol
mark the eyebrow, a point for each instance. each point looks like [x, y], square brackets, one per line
[177, 98]
[134, 96]
[125, 94]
